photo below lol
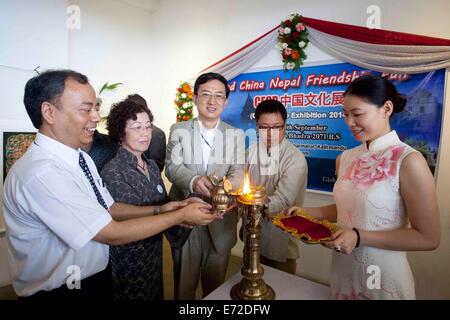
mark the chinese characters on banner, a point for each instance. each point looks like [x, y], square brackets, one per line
[313, 99]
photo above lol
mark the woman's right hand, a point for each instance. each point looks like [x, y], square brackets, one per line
[197, 213]
[290, 211]
[193, 200]
[171, 206]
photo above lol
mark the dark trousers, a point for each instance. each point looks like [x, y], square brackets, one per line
[97, 286]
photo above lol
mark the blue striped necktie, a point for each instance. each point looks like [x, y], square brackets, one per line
[88, 175]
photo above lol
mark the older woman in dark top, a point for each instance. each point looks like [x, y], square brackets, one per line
[132, 178]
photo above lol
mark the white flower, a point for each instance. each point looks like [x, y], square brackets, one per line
[290, 65]
[186, 105]
[302, 44]
[284, 45]
[183, 95]
[287, 30]
[182, 111]
[291, 17]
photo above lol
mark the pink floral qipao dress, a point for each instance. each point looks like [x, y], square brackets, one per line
[367, 197]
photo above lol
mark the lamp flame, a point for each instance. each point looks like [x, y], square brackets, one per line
[246, 188]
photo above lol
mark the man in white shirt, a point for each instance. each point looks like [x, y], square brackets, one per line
[197, 149]
[57, 210]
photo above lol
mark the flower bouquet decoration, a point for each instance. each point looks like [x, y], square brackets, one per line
[293, 40]
[183, 102]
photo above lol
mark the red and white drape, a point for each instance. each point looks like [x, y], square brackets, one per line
[375, 49]
[243, 58]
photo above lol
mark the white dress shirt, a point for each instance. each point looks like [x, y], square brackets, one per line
[52, 214]
[207, 137]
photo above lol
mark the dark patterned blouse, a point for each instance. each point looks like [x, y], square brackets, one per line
[137, 266]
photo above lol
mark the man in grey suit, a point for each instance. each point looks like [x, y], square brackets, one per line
[196, 149]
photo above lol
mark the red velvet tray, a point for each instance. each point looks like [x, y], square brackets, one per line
[305, 227]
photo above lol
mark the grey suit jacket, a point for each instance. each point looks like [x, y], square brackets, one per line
[184, 161]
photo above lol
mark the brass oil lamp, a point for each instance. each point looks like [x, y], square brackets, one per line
[221, 198]
[252, 203]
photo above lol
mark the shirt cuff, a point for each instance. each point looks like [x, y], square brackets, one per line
[191, 184]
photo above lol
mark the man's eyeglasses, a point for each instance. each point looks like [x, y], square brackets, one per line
[217, 96]
[277, 127]
[139, 128]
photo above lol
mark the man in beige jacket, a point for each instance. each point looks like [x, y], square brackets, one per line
[278, 165]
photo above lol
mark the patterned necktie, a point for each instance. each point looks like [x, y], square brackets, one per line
[88, 175]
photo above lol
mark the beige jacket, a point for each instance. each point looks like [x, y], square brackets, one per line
[284, 174]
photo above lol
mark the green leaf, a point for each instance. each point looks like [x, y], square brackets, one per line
[108, 86]
[103, 88]
[113, 85]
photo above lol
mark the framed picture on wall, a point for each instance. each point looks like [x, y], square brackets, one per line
[14, 146]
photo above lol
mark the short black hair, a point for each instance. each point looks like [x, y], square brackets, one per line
[120, 113]
[270, 106]
[204, 78]
[137, 98]
[376, 90]
[47, 87]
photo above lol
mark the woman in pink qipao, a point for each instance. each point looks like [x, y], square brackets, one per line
[385, 200]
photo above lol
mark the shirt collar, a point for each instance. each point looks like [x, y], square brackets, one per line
[203, 129]
[128, 157]
[383, 142]
[63, 152]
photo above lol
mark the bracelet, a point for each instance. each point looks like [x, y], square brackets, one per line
[358, 238]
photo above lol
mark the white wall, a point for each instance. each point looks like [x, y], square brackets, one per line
[41, 44]
[152, 53]
[114, 44]
[31, 35]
